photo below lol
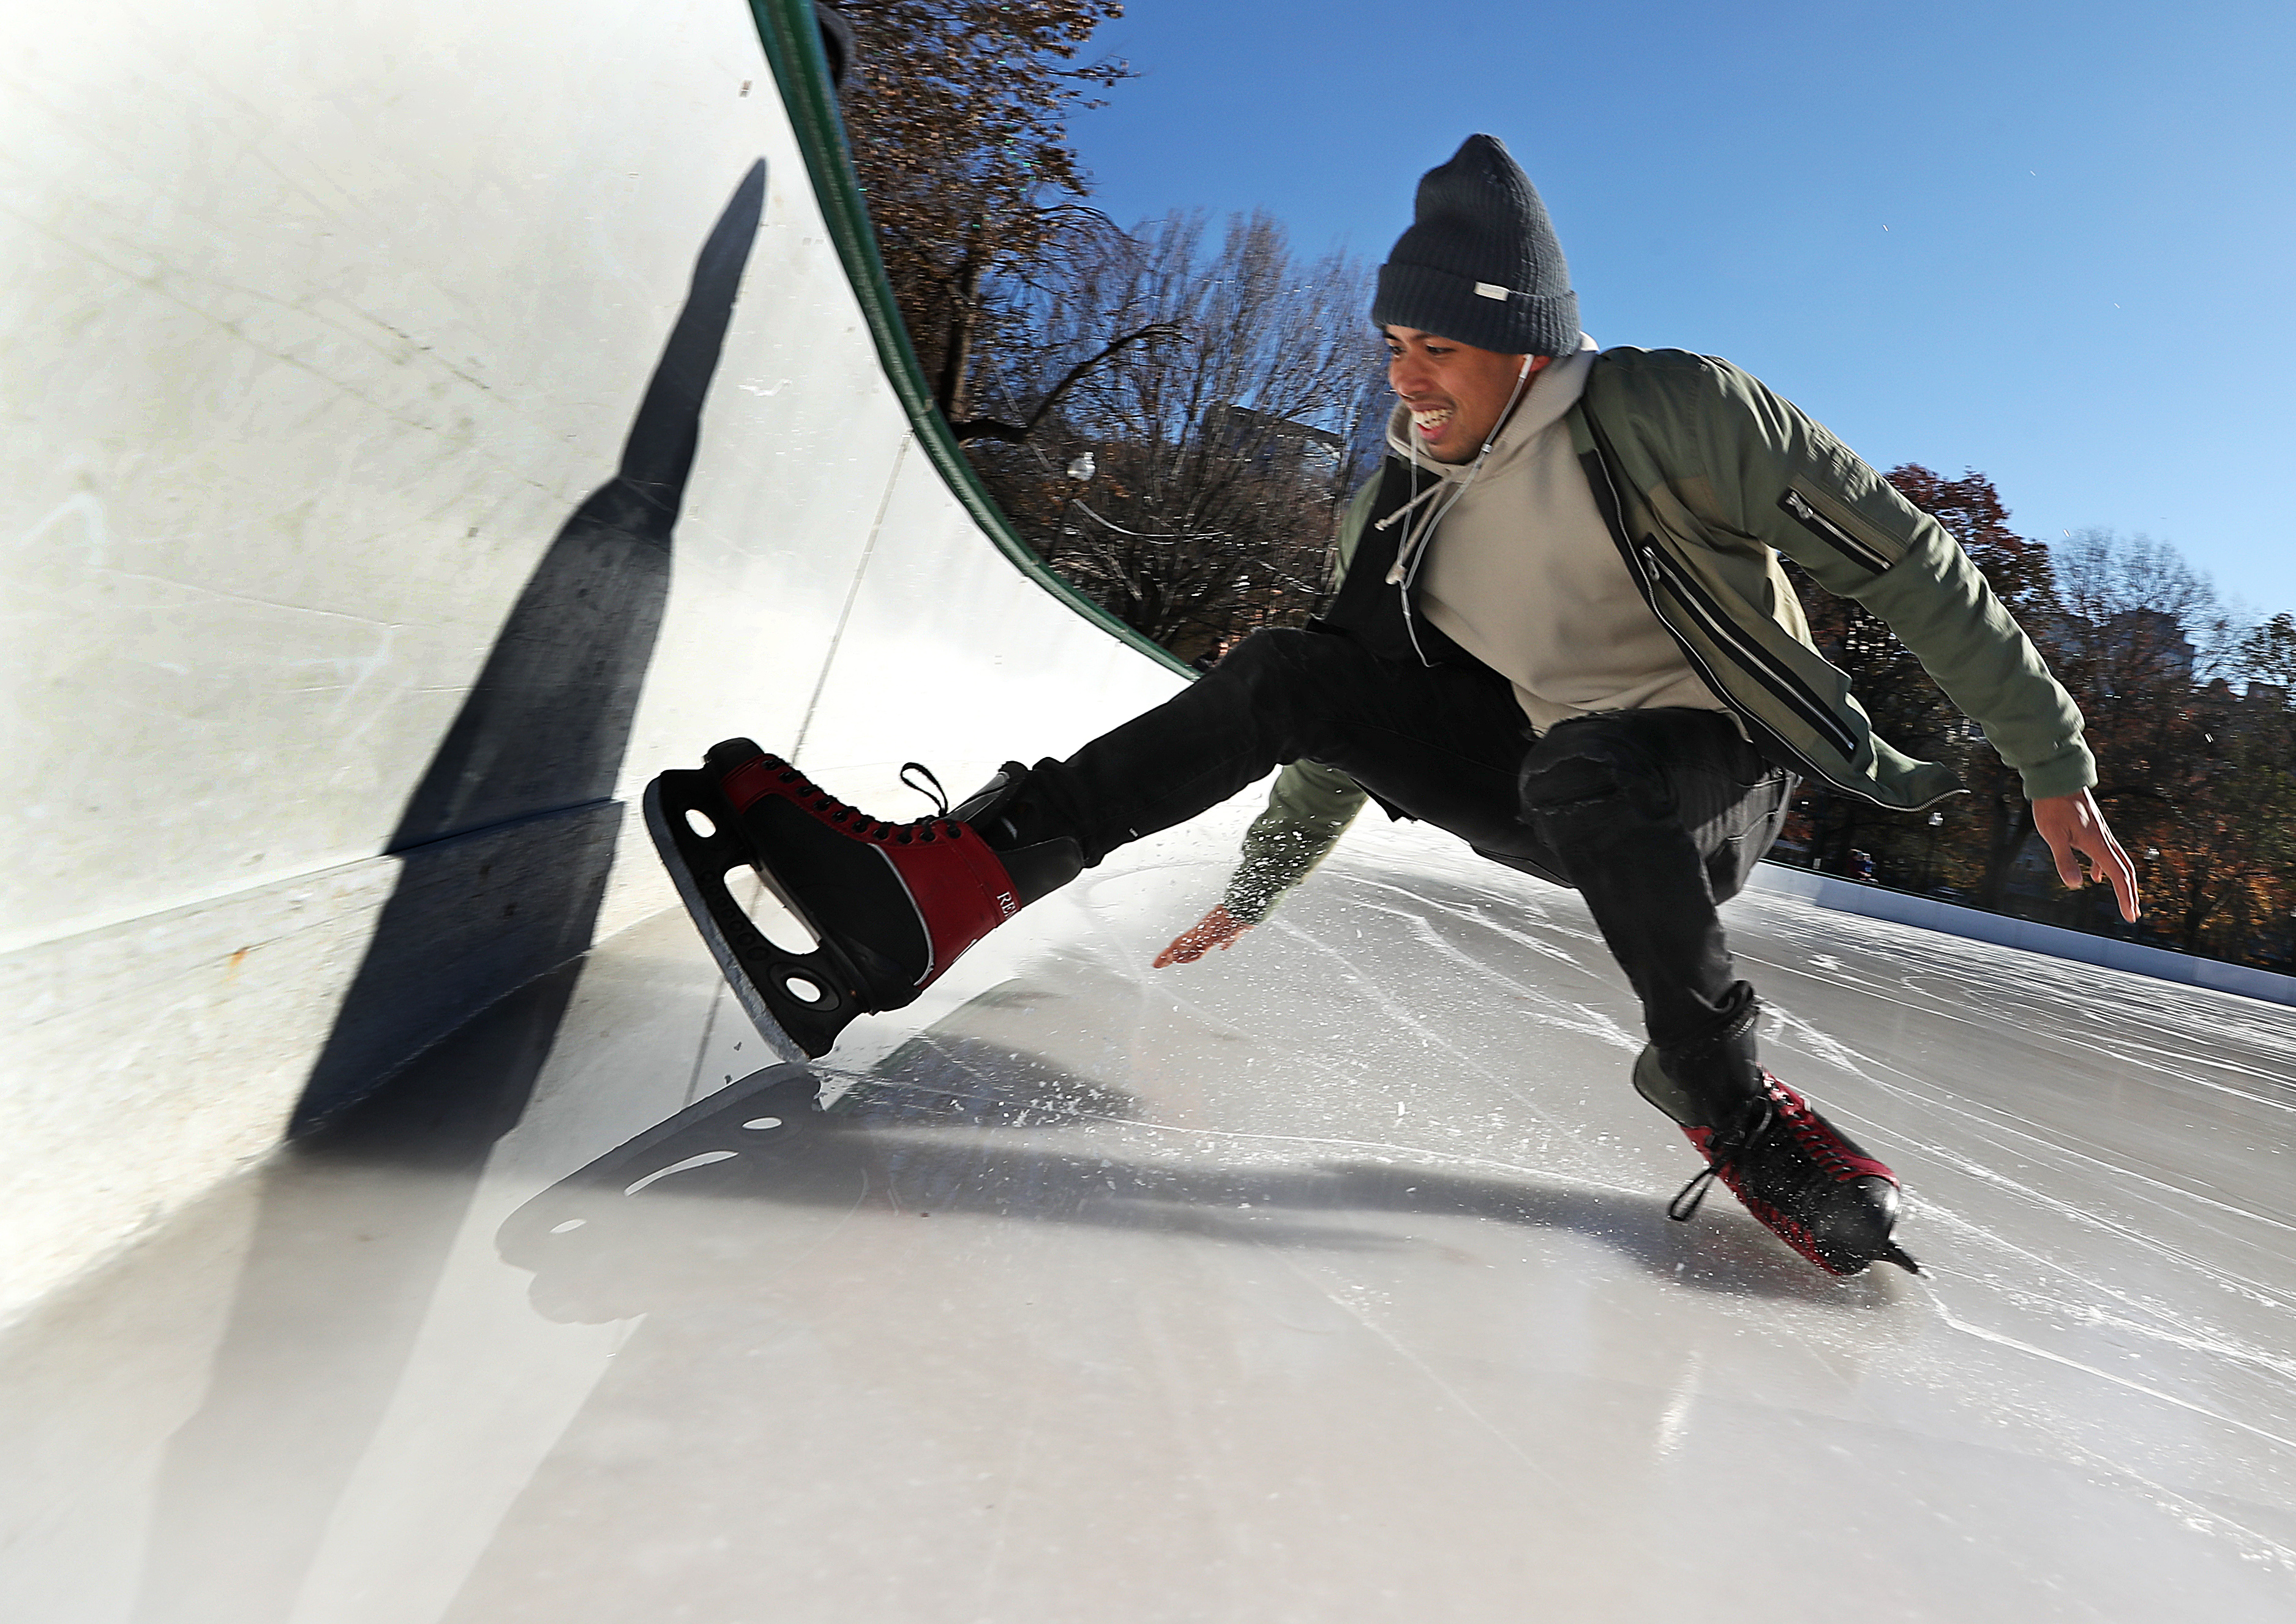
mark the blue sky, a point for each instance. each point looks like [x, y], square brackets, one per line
[2054, 243]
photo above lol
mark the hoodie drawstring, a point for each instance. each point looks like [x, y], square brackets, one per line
[1405, 511]
[1416, 537]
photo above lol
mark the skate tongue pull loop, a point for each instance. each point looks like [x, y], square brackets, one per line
[1687, 1200]
[930, 789]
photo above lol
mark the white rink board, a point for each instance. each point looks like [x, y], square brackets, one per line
[315, 335]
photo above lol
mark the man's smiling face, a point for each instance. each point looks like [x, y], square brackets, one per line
[1455, 392]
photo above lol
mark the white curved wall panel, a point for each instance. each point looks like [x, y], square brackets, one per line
[320, 328]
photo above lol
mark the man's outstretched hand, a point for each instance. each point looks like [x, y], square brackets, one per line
[1217, 929]
[2072, 823]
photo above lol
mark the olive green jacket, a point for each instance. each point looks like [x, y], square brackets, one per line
[1708, 479]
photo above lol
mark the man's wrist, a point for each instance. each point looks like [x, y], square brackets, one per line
[2065, 774]
[1249, 910]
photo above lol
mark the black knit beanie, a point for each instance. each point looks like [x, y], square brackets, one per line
[1480, 265]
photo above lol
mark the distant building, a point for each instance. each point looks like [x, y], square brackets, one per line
[1313, 454]
[2261, 704]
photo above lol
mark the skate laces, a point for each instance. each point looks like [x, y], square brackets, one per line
[853, 821]
[1809, 1130]
[1686, 1201]
[930, 789]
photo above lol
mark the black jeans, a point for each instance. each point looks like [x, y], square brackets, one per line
[1655, 817]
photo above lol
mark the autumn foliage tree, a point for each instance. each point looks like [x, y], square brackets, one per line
[2198, 780]
[956, 113]
[1908, 708]
[2266, 653]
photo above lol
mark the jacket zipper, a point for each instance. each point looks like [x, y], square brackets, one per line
[1615, 517]
[1817, 524]
[1780, 681]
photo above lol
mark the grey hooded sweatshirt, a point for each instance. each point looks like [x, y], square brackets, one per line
[1523, 574]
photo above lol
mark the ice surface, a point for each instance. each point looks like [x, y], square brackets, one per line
[1326, 1279]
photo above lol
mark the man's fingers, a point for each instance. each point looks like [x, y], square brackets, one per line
[2121, 872]
[2069, 869]
[2124, 886]
[1187, 947]
[1217, 929]
[2074, 829]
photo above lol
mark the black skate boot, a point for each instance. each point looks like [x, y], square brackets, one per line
[890, 906]
[1802, 1176]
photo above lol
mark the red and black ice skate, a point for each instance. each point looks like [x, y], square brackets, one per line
[890, 906]
[1802, 1176]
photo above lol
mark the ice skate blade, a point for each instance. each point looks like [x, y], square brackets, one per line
[799, 1002]
[1843, 1269]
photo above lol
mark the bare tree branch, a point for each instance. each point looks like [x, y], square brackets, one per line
[1013, 434]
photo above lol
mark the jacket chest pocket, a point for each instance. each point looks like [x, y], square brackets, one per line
[1855, 539]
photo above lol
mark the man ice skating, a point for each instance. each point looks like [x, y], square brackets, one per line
[1563, 634]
